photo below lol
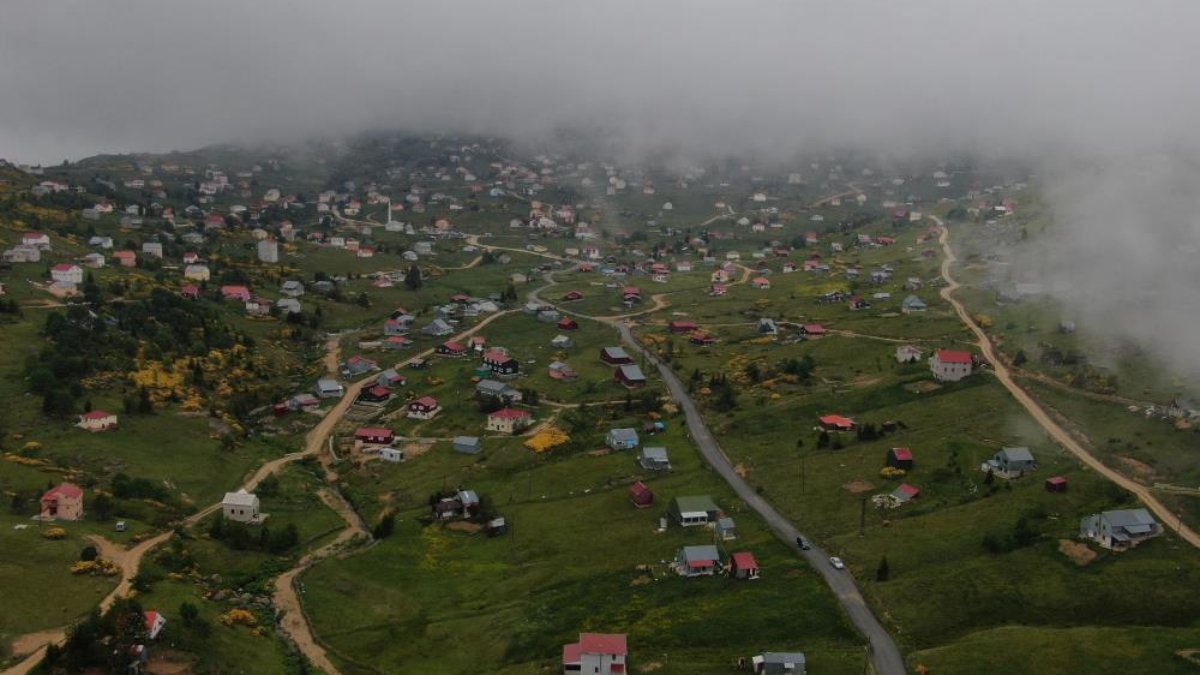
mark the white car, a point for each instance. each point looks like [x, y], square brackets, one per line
[837, 563]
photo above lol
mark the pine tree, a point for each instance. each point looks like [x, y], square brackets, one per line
[882, 572]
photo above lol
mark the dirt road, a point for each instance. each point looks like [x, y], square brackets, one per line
[1061, 436]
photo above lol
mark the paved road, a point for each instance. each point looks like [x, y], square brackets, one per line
[885, 656]
[1166, 517]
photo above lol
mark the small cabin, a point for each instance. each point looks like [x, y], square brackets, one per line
[640, 495]
[900, 458]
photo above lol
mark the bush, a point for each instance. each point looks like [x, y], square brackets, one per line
[89, 553]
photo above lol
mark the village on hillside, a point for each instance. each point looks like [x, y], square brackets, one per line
[434, 405]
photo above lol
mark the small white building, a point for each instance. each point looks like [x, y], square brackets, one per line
[950, 365]
[67, 273]
[391, 454]
[241, 506]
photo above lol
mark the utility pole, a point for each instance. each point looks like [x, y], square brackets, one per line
[862, 517]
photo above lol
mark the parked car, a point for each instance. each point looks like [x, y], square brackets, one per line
[803, 543]
[837, 563]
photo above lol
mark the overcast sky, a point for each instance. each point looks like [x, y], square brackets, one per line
[1102, 95]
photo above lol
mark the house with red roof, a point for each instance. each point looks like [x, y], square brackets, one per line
[155, 623]
[697, 561]
[241, 293]
[681, 326]
[40, 240]
[949, 365]
[509, 420]
[376, 395]
[567, 323]
[62, 502]
[717, 290]
[396, 342]
[424, 408]
[596, 654]
[67, 273]
[97, 420]
[126, 258]
[905, 493]
[572, 296]
[451, 349]
[836, 423]
[502, 364]
[1056, 484]
[812, 330]
[761, 283]
[190, 292]
[743, 566]
[374, 435]
[701, 339]
[900, 458]
[640, 495]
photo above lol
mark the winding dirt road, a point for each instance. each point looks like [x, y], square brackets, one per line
[1061, 436]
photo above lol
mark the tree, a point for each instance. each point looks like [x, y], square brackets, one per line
[89, 553]
[145, 406]
[412, 278]
[823, 439]
[189, 613]
[363, 300]
[387, 523]
[882, 572]
[1020, 358]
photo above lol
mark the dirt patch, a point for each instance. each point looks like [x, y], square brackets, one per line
[641, 581]
[169, 663]
[858, 486]
[464, 526]
[600, 453]
[1078, 552]
[741, 470]
[414, 450]
[922, 387]
[650, 667]
[1192, 655]
[1142, 472]
[31, 642]
[865, 381]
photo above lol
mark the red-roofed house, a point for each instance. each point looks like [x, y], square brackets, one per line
[761, 283]
[701, 338]
[836, 423]
[681, 326]
[424, 408]
[62, 502]
[38, 239]
[67, 273]
[155, 623]
[97, 420]
[572, 296]
[503, 364]
[509, 420]
[744, 566]
[1056, 484]
[900, 458]
[641, 495]
[718, 290]
[596, 654]
[126, 258]
[567, 323]
[396, 342]
[905, 492]
[950, 365]
[376, 394]
[235, 293]
[374, 435]
[451, 349]
[190, 292]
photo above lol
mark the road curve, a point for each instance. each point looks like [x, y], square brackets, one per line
[1060, 435]
[885, 655]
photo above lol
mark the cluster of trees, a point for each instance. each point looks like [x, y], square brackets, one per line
[101, 641]
[81, 342]
[240, 536]
[1024, 532]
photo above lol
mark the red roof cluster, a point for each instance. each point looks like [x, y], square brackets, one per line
[953, 356]
[510, 414]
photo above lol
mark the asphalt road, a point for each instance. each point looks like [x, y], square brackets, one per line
[885, 656]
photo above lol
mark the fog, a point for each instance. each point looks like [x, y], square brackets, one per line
[1103, 85]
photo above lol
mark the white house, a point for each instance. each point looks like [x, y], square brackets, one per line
[241, 506]
[391, 454]
[595, 654]
[155, 623]
[67, 273]
[907, 354]
[950, 365]
[97, 420]
[196, 272]
[1120, 530]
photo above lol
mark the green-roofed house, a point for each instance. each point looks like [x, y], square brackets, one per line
[694, 510]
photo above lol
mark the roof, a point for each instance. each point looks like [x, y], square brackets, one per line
[372, 431]
[953, 356]
[466, 440]
[705, 554]
[695, 503]
[96, 415]
[151, 618]
[744, 560]
[623, 434]
[239, 498]
[1056, 480]
[510, 414]
[427, 401]
[781, 658]
[1129, 518]
[497, 355]
[907, 490]
[64, 267]
[64, 489]
[571, 652]
[814, 328]
[632, 372]
[902, 453]
[1017, 454]
[655, 453]
[836, 420]
[639, 488]
[616, 352]
[453, 345]
[328, 383]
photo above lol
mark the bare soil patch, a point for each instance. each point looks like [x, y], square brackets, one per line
[1142, 472]
[741, 470]
[858, 486]
[1078, 552]
[923, 387]
[464, 526]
